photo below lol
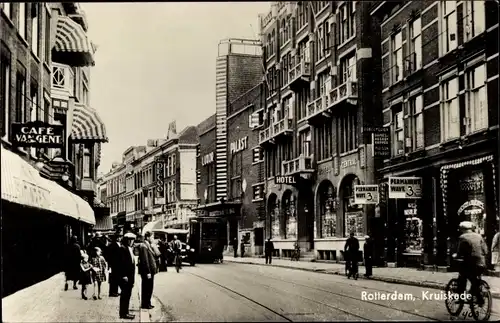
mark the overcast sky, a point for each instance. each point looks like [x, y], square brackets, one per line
[155, 63]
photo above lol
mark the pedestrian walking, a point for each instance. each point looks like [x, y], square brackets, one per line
[495, 252]
[368, 256]
[268, 251]
[72, 262]
[147, 270]
[125, 270]
[99, 270]
[242, 249]
[85, 274]
[235, 247]
[351, 250]
[112, 254]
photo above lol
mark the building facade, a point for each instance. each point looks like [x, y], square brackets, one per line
[38, 174]
[440, 103]
[321, 93]
[205, 162]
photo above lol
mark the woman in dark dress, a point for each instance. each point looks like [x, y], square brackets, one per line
[72, 263]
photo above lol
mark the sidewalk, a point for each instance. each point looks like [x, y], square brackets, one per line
[407, 276]
[48, 302]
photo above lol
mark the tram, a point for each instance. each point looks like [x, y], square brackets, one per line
[207, 235]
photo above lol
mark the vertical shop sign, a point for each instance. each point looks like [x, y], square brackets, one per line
[160, 181]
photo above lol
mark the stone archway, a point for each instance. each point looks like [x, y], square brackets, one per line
[326, 203]
[351, 214]
[288, 223]
[274, 216]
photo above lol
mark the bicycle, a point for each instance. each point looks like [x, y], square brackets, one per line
[177, 262]
[453, 298]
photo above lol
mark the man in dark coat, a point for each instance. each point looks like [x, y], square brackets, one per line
[125, 270]
[112, 256]
[368, 255]
[351, 250]
[268, 251]
[73, 259]
[163, 245]
[147, 270]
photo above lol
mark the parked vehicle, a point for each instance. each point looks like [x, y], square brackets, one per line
[207, 235]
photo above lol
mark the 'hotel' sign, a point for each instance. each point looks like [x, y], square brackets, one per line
[37, 134]
[285, 180]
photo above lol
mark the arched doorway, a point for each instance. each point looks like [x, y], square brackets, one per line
[305, 217]
[289, 215]
[274, 219]
[327, 207]
[352, 214]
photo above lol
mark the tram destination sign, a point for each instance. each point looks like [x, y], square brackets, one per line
[366, 194]
[405, 187]
[285, 180]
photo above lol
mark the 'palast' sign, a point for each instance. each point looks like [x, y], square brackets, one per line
[239, 145]
[37, 134]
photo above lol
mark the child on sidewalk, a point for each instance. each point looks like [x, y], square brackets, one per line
[85, 274]
[99, 270]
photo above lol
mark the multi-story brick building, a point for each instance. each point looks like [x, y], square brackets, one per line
[440, 101]
[35, 39]
[238, 72]
[319, 60]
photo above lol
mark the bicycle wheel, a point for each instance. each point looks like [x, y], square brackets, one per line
[482, 313]
[453, 305]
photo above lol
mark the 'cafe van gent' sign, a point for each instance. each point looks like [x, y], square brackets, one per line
[37, 134]
[239, 145]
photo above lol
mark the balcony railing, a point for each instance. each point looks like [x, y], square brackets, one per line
[301, 164]
[282, 126]
[317, 106]
[62, 78]
[265, 135]
[301, 69]
[346, 91]
[88, 184]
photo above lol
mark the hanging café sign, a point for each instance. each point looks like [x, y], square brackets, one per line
[37, 134]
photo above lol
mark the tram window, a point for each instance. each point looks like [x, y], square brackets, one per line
[210, 230]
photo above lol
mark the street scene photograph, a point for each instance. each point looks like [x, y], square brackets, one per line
[237, 161]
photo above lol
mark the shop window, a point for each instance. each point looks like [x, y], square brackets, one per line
[327, 212]
[274, 212]
[413, 229]
[476, 108]
[471, 197]
[353, 214]
[290, 217]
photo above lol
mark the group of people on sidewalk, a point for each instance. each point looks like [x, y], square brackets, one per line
[116, 257]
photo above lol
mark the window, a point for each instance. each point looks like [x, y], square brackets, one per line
[302, 14]
[449, 26]
[85, 90]
[348, 68]
[415, 59]
[34, 29]
[348, 133]
[476, 111]
[450, 109]
[305, 143]
[33, 104]
[20, 97]
[326, 38]
[173, 165]
[323, 87]
[320, 53]
[272, 44]
[173, 190]
[5, 89]
[22, 19]
[46, 110]
[258, 154]
[7, 9]
[282, 32]
[416, 107]
[397, 57]
[324, 135]
[258, 192]
[86, 163]
[475, 18]
[347, 21]
[399, 134]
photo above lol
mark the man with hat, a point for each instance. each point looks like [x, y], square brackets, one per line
[112, 254]
[472, 250]
[125, 271]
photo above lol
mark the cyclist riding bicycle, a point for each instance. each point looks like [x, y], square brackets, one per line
[472, 250]
[176, 246]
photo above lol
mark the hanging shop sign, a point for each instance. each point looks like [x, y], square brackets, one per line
[285, 180]
[366, 194]
[473, 207]
[405, 187]
[160, 182]
[207, 159]
[381, 141]
[239, 145]
[37, 134]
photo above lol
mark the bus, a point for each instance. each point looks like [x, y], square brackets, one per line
[206, 234]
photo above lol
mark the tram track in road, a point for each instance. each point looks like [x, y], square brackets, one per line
[336, 308]
[357, 299]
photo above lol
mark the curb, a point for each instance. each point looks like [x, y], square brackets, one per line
[144, 313]
[427, 284]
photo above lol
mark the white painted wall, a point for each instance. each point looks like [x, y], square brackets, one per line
[187, 162]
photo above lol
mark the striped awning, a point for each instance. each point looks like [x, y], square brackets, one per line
[87, 125]
[72, 45]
